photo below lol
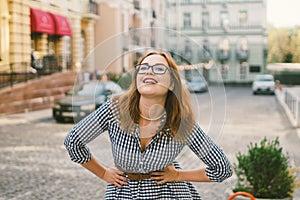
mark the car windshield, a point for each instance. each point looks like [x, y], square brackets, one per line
[264, 79]
[90, 89]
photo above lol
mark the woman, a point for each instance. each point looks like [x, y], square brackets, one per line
[148, 127]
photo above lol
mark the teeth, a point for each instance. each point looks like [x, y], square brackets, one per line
[149, 81]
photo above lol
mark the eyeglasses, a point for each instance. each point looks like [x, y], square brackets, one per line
[156, 69]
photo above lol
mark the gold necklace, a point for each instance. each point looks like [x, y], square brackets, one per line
[152, 119]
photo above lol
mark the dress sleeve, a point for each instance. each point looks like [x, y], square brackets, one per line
[85, 131]
[218, 166]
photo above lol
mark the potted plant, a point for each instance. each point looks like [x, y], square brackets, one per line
[264, 171]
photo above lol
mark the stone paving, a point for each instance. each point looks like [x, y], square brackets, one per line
[35, 165]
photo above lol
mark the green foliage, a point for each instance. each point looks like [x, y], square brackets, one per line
[263, 171]
[283, 45]
[124, 80]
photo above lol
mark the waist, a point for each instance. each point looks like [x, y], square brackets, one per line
[137, 176]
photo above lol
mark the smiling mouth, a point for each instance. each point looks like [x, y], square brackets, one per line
[149, 81]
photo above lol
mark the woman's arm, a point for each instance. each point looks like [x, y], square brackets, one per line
[111, 175]
[171, 174]
[84, 132]
[218, 167]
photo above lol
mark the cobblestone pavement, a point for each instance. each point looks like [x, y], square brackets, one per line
[35, 165]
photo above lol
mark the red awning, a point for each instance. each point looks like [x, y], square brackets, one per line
[62, 26]
[41, 21]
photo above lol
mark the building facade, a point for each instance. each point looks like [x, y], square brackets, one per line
[231, 34]
[126, 29]
[46, 35]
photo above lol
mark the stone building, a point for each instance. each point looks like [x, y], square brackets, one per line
[48, 35]
[125, 30]
[231, 34]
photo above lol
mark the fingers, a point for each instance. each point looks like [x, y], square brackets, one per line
[115, 176]
[120, 180]
[169, 174]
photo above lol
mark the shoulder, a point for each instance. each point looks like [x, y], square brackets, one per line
[198, 134]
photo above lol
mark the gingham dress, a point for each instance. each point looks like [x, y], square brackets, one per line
[160, 153]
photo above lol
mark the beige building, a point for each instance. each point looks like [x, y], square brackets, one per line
[56, 35]
[228, 33]
[126, 29]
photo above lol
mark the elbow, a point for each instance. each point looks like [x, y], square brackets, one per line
[78, 152]
[220, 172]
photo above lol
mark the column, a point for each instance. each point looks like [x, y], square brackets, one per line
[90, 41]
[19, 35]
[75, 43]
[4, 36]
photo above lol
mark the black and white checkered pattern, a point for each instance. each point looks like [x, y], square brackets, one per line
[161, 152]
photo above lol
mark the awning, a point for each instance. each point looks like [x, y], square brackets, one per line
[62, 26]
[41, 21]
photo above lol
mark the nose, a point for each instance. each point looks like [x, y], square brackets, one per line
[149, 70]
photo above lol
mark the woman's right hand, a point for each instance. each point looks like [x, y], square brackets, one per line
[114, 176]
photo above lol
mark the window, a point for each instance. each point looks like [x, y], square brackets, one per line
[243, 70]
[187, 20]
[254, 69]
[224, 19]
[205, 20]
[243, 18]
[188, 53]
[224, 70]
[205, 51]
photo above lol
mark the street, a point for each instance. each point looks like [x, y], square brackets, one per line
[35, 164]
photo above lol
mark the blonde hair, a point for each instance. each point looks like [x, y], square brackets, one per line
[180, 116]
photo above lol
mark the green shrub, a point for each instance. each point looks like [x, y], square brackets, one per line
[125, 80]
[263, 171]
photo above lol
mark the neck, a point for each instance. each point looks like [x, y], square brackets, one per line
[152, 107]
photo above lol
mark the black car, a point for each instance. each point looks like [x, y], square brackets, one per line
[83, 99]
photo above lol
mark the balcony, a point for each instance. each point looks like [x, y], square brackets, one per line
[90, 9]
[93, 7]
[223, 55]
[205, 56]
[136, 4]
[242, 56]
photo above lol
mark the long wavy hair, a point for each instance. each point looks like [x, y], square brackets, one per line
[180, 116]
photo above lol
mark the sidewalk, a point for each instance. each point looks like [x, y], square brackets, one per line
[24, 117]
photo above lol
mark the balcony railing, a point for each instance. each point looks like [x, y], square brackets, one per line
[22, 71]
[93, 7]
[242, 55]
[223, 55]
[90, 8]
[136, 4]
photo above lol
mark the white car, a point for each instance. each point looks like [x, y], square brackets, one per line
[197, 84]
[263, 83]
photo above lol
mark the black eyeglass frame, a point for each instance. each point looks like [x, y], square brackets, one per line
[137, 67]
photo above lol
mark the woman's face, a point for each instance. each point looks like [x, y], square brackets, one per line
[155, 80]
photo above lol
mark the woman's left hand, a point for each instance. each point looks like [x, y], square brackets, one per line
[169, 174]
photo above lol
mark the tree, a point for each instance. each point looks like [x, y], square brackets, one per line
[283, 44]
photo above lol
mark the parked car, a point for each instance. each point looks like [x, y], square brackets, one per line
[263, 83]
[83, 99]
[197, 84]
